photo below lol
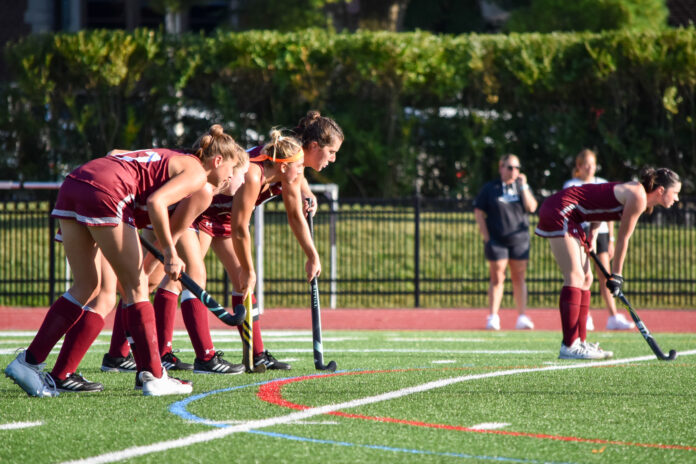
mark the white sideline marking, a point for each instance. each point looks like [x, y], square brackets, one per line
[489, 425]
[405, 350]
[443, 361]
[451, 339]
[202, 437]
[19, 425]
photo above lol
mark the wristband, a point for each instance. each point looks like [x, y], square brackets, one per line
[524, 187]
[611, 239]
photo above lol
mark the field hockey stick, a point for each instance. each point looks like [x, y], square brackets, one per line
[639, 323]
[316, 316]
[193, 287]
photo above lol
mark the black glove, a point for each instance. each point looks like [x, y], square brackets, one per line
[614, 284]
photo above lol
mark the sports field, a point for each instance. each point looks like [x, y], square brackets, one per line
[398, 396]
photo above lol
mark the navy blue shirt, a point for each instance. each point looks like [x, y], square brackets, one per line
[506, 218]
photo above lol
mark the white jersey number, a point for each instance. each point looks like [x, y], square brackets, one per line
[148, 157]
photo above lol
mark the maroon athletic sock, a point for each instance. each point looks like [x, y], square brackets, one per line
[570, 311]
[62, 315]
[165, 311]
[257, 340]
[119, 344]
[77, 341]
[195, 316]
[584, 311]
[140, 320]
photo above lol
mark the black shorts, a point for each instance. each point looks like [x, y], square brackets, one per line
[603, 243]
[496, 251]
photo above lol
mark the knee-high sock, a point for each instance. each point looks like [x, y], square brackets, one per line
[77, 341]
[119, 345]
[570, 312]
[64, 313]
[584, 312]
[257, 340]
[165, 311]
[141, 327]
[195, 316]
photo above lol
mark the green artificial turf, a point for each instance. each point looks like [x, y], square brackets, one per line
[638, 412]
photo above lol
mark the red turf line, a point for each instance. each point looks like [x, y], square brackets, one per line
[391, 319]
[272, 393]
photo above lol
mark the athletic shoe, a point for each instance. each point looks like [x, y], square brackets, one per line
[578, 350]
[139, 383]
[619, 322]
[493, 322]
[524, 323]
[173, 363]
[268, 360]
[118, 363]
[152, 386]
[590, 324]
[77, 383]
[216, 365]
[595, 347]
[30, 377]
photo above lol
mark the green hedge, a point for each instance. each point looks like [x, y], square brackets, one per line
[414, 104]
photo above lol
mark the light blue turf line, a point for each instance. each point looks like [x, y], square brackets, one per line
[179, 409]
[402, 450]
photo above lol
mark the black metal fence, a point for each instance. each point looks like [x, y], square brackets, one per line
[412, 252]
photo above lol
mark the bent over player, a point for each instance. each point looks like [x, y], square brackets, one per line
[560, 220]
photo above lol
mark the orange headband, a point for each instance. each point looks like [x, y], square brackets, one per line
[296, 157]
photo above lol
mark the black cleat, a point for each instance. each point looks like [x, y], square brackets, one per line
[77, 383]
[173, 363]
[118, 364]
[216, 365]
[270, 362]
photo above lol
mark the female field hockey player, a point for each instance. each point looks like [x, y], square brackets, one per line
[584, 173]
[321, 139]
[96, 210]
[195, 313]
[560, 220]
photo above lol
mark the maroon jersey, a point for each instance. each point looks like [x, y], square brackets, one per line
[121, 183]
[566, 210]
[215, 221]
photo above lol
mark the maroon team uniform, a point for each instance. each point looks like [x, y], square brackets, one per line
[108, 190]
[565, 211]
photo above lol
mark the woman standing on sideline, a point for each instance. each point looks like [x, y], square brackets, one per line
[501, 211]
[584, 173]
[96, 210]
[560, 220]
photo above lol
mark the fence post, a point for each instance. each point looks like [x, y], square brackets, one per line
[333, 255]
[258, 242]
[51, 255]
[416, 249]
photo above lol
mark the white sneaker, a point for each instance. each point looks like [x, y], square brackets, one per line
[578, 350]
[595, 347]
[619, 322]
[152, 386]
[524, 323]
[493, 322]
[30, 377]
[590, 323]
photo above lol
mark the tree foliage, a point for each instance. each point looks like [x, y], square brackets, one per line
[415, 107]
[588, 15]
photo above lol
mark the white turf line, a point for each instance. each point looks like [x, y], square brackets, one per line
[19, 425]
[203, 437]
